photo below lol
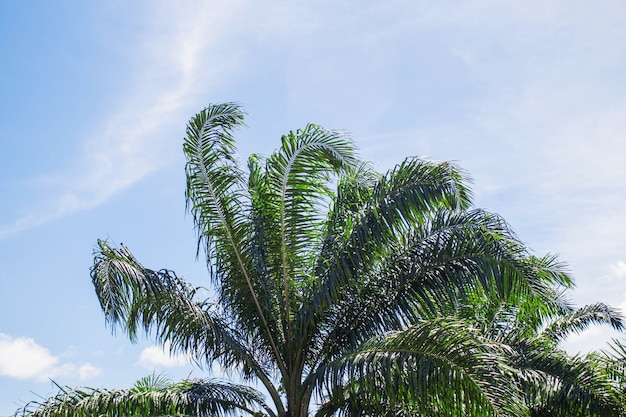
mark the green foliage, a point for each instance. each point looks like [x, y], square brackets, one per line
[152, 395]
[370, 294]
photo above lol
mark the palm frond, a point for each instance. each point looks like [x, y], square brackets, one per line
[297, 180]
[136, 298]
[556, 384]
[427, 274]
[398, 202]
[613, 362]
[200, 398]
[220, 207]
[580, 319]
[152, 382]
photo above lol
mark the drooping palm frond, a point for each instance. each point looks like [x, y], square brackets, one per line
[430, 273]
[136, 298]
[398, 201]
[506, 319]
[200, 398]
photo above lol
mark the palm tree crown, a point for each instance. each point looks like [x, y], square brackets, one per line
[339, 290]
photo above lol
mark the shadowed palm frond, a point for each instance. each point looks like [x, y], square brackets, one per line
[612, 361]
[556, 384]
[441, 266]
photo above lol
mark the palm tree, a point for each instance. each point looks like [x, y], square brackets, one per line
[334, 285]
[155, 393]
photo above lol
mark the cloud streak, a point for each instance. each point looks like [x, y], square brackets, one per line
[136, 138]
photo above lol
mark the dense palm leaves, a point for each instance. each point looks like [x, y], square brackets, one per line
[552, 383]
[342, 291]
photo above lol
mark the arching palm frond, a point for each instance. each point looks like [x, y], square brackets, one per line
[217, 200]
[441, 266]
[287, 194]
[201, 398]
[580, 319]
[215, 181]
[553, 382]
[152, 382]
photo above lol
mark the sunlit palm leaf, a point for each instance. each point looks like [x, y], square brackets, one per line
[217, 200]
[296, 184]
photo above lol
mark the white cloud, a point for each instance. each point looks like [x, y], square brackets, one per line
[159, 357]
[88, 371]
[22, 358]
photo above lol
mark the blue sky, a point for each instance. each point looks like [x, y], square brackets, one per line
[528, 97]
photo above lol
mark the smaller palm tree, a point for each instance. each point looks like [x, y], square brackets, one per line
[153, 392]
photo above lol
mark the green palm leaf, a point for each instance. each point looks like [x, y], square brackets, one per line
[394, 205]
[580, 319]
[201, 398]
[216, 200]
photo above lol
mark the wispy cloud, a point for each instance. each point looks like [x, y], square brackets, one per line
[22, 358]
[137, 136]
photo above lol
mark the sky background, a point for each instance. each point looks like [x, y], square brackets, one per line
[528, 97]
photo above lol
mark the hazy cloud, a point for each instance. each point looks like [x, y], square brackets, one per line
[619, 269]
